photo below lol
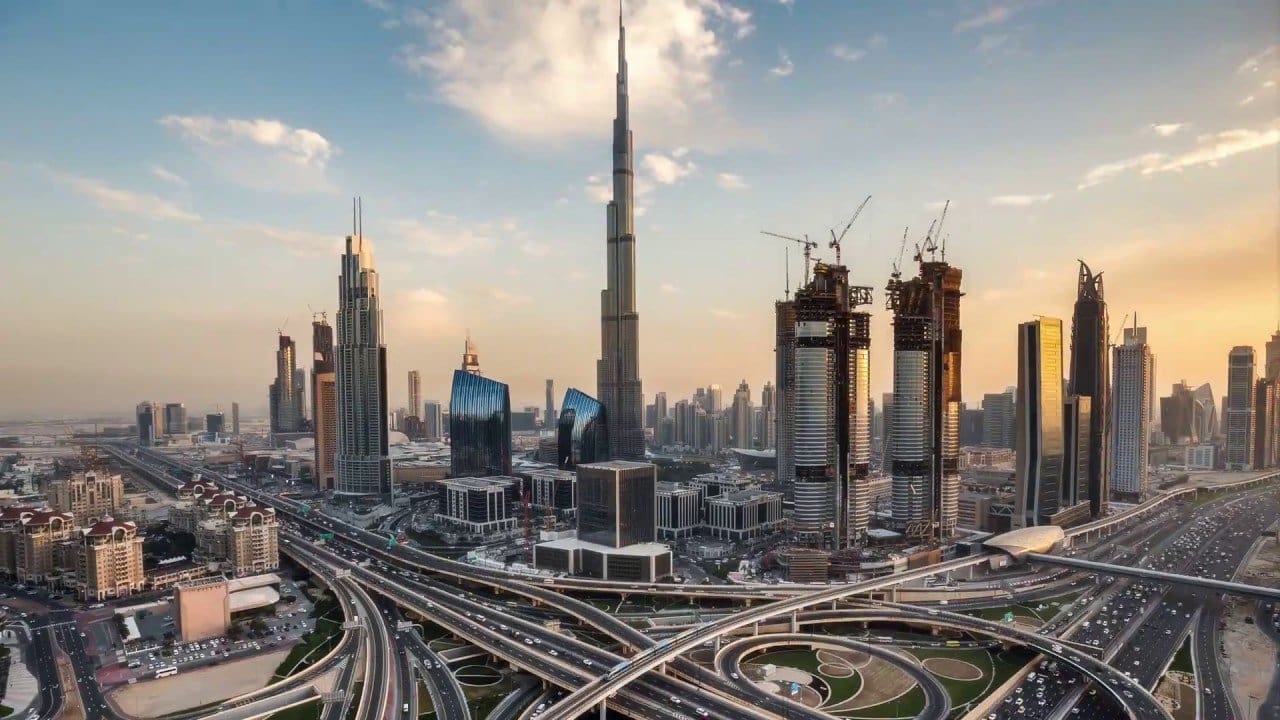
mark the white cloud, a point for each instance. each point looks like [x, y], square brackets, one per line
[1268, 84]
[1247, 100]
[725, 314]
[784, 66]
[1256, 61]
[421, 313]
[263, 154]
[995, 14]
[667, 170]
[669, 289]
[539, 70]
[447, 237]
[1220, 146]
[598, 190]
[1019, 200]
[788, 4]
[990, 43]
[877, 41]
[299, 242]
[847, 54]
[1107, 171]
[730, 181]
[167, 175]
[113, 199]
[882, 101]
[1166, 129]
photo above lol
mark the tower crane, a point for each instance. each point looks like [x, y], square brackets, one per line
[902, 248]
[808, 245]
[1116, 340]
[930, 242]
[835, 241]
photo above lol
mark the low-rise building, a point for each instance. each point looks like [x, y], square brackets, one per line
[743, 514]
[202, 609]
[638, 562]
[477, 504]
[555, 489]
[679, 509]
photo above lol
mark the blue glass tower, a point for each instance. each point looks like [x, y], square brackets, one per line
[479, 426]
[583, 430]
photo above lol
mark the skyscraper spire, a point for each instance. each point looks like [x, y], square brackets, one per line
[617, 373]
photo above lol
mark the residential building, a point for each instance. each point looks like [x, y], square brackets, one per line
[616, 502]
[1132, 388]
[477, 504]
[549, 416]
[42, 544]
[252, 541]
[362, 461]
[324, 404]
[235, 418]
[768, 426]
[109, 561]
[678, 510]
[89, 496]
[479, 426]
[1239, 416]
[582, 432]
[415, 393]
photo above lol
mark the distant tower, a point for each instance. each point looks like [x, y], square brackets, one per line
[324, 402]
[415, 393]
[785, 381]
[742, 416]
[149, 420]
[618, 371]
[1040, 441]
[1133, 393]
[286, 401]
[768, 416]
[235, 418]
[363, 461]
[1239, 416]
[1090, 377]
[470, 357]
[549, 417]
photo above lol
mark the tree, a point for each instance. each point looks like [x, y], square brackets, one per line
[236, 631]
[258, 627]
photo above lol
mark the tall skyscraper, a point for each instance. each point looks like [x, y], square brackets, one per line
[1265, 430]
[362, 464]
[470, 357]
[998, 410]
[175, 419]
[1239, 416]
[479, 426]
[235, 418]
[1272, 356]
[659, 407]
[768, 416]
[715, 398]
[549, 418]
[415, 393]
[618, 371]
[1133, 392]
[284, 395]
[742, 417]
[784, 352]
[150, 420]
[324, 402]
[582, 430]
[1189, 416]
[1075, 457]
[214, 424]
[1090, 377]
[926, 399]
[432, 421]
[1041, 444]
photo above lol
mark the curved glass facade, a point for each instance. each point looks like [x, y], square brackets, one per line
[479, 426]
[582, 431]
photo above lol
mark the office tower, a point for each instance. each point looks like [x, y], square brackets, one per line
[479, 426]
[926, 399]
[150, 419]
[998, 411]
[971, 422]
[1040, 443]
[432, 421]
[1189, 416]
[886, 437]
[285, 400]
[214, 424]
[741, 432]
[549, 417]
[324, 403]
[616, 503]
[235, 418]
[1089, 377]
[582, 432]
[1272, 357]
[1075, 457]
[715, 398]
[175, 419]
[415, 393]
[362, 464]
[659, 407]
[1204, 416]
[1239, 415]
[784, 352]
[832, 407]
[1132, 390]
[618, 371]
[1264, 423]
[768, 416]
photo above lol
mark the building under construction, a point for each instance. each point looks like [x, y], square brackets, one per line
[925, 422]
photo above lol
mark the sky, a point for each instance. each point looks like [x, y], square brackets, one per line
[176, 181]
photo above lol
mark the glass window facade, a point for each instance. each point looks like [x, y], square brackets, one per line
[582, 431]
[479, 426]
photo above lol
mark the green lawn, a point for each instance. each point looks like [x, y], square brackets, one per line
[807, 660]
[317, 643]
[1182, 660]
[308, 711]
[908, 705]
[1026, 609]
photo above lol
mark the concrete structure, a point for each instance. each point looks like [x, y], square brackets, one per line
[235, 418]
[998, 420]
[415, 393]
[744, 514]
[252, 544]
[477, 504]
[201, 609]
[1239, 415]
[642, 562]
[362, 463]
[1090, 377]
[678, 510]
[1133, 393]
[215, 424]
[285, 393]
[1266, 427]
[616, 503]
[89, 496]
[42, 545]
[109, 561]
[1199, 457]
[618, 371]
[549, 412]
[324, 404]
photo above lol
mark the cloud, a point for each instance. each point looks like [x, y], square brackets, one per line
[299, 242]
[788, 4]
[445, 236]
[113, 199]
[1268, 84]
[264, 154]
[1019, 200]
[421, 312]
[725, 314]
[988, 44]
[784, 66]
[730, 181]
[508, 298]
[669, 289]
[1107, 171]
[995, 14]
[168, 176]
[1255, 62]
[1213, 148]
[847, 54]
[667, 170]
[539, 70]
[1166, 129]
[882, 101]
[1247, 100]
[598, 190]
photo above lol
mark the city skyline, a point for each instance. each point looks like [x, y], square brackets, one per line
[1180, 158]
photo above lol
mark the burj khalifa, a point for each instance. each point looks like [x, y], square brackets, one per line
[618, 371]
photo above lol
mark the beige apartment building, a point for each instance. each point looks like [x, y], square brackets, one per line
[252, 541]
[42, 545]
[90, 496]
[109, 562]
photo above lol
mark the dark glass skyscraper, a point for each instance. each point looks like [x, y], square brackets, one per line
[1041, 444]
[286, 391]
[324, 411]
[1090, 376]
[618, 371]
[582, 431]
[617, 503]
[479, 426]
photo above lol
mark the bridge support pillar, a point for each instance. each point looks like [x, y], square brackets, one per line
[795, 623]
[755, 630]
[602, 709]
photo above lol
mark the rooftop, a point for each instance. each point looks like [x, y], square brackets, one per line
[617, 465]
[479, 483]
[742, 496]
[638, 549]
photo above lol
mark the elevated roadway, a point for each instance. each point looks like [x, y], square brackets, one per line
[1222, 586]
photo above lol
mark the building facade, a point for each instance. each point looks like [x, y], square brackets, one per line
[89, 496]
[1041, 445]
[479, 426]
[285, 392]
[150, 421]
[1239, 415]
[1266, 431]
[324, 404]
[477, 504]
[1090, 377]
[785, 382]
[555, 490]
[109, 562]
[175, 419]
[742, 434]
[616, 503]
[1132, 394]
[744, 514]
[678, 510]
[362, 462]
[582, 432]
[999, 420]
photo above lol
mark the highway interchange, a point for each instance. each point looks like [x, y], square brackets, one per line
[505, 615]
